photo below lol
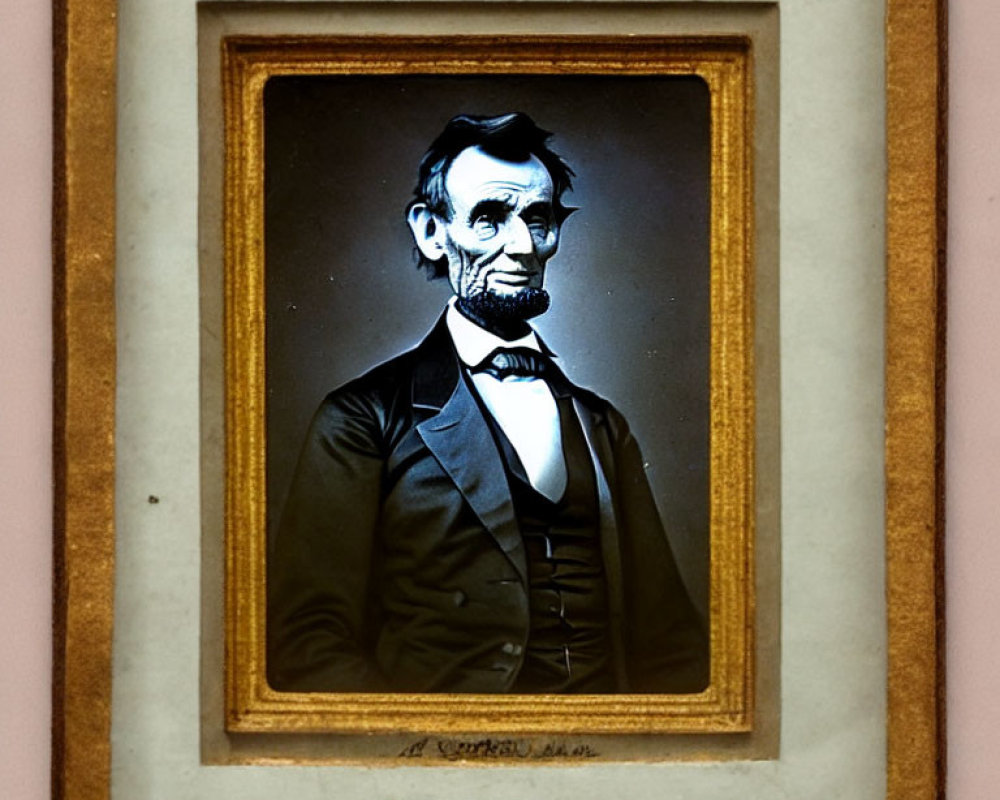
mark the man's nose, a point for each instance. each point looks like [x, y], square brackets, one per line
[519, 241]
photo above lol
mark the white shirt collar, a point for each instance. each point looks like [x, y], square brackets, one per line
[474, 343]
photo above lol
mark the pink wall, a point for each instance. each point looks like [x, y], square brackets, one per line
[973, 400]
[25, 398]
[973, 461]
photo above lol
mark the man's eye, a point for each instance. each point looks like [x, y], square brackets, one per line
[485, 226]
[539, 226]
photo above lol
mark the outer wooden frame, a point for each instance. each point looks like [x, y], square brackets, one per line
[83, 321]
[914, 406]
[726, 705]
[84, 401]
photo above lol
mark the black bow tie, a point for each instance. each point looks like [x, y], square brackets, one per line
[520, 361]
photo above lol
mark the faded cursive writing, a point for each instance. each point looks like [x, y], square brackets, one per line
[470, 749]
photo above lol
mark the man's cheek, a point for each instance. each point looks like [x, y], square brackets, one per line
[473, 275]
[549, 248]
[476, 279]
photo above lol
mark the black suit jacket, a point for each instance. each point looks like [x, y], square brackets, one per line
[398, 564]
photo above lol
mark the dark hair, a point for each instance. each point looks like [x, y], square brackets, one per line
[511, 137]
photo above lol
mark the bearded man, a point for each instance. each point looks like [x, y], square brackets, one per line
[463, 518]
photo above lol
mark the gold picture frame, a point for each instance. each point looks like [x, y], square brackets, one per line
[84, 325]
[726, 705]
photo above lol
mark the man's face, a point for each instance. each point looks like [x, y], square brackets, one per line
[499, 234]
[502, 229]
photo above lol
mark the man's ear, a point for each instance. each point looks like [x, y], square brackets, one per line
[428, 231]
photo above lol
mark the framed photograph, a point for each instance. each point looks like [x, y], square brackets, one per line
[679, 172]
[488, 407]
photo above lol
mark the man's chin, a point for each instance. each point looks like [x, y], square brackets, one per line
[504, 309]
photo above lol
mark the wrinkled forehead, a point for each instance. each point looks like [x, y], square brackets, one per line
[475, 175]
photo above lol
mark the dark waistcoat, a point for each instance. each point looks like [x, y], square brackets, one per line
[568, 647]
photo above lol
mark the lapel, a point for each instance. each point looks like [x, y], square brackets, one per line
[459, 438]
[595, 431]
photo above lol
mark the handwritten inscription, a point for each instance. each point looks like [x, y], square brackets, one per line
[469, 749]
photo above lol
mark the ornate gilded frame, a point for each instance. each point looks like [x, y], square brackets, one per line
[84, 406]
[727, 704]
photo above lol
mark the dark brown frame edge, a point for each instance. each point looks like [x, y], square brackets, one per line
[83, 317]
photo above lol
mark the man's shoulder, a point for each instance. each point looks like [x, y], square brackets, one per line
[602, 410]
[380, 383]
[392, 380]
[591, 400]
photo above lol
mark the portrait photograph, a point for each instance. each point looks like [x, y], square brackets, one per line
[489, 386]
[435, 527]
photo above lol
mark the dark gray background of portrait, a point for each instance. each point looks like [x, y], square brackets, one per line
[630, 284]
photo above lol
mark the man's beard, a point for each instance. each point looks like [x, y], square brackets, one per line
[504, 310]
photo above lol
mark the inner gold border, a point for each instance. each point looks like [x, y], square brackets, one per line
[727, 705]
[83, 235]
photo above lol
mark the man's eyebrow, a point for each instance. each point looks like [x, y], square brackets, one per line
[490, 207]
[540, 208]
